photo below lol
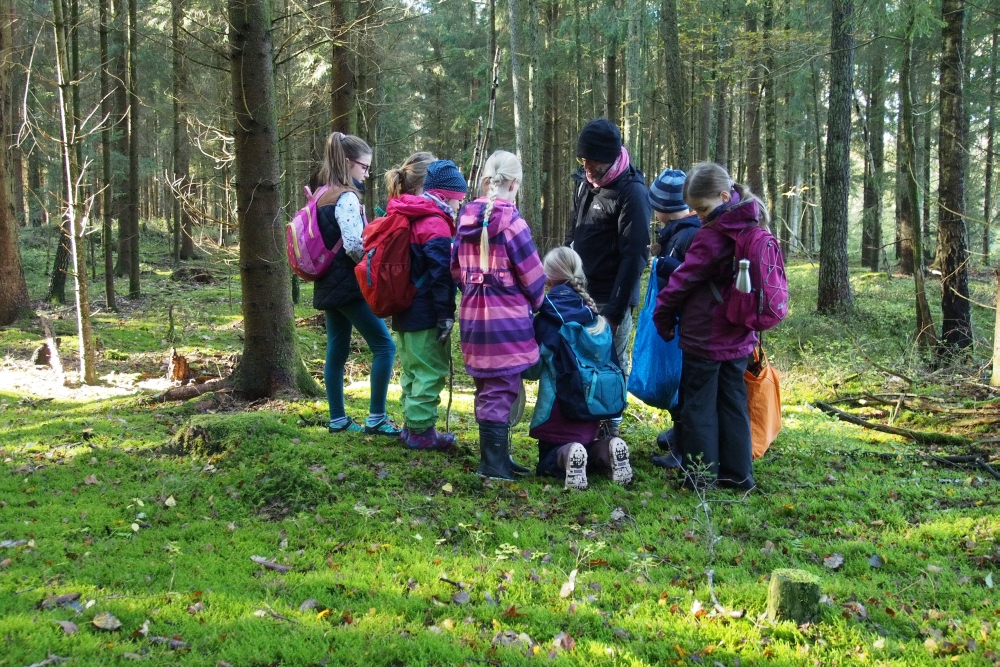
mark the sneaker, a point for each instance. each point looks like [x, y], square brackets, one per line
[621, 469]
[350, 427]
[429, 439]
[576, 467]
[384, 427]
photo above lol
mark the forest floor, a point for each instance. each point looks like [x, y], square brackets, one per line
[275, 543]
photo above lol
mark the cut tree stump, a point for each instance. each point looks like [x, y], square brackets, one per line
[793, 596]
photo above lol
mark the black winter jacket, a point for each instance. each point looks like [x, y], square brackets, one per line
[674, 239]
[338, 287]
[609, 229]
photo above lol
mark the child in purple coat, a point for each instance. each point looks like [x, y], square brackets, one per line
[714, 420]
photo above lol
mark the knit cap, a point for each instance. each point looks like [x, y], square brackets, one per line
[445, 180]
[600, 141]
[666, 194]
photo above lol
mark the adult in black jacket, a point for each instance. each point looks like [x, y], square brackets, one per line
[609, 229]
[341, 217]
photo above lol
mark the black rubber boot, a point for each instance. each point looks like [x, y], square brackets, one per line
[494, 451]
[518, 469]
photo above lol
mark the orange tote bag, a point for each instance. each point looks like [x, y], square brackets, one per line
[763, 401]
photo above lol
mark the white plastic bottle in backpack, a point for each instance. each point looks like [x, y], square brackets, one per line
[743, 277]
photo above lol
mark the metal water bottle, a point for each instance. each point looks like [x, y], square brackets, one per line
[743, 277]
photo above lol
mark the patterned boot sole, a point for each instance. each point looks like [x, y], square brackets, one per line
[621, 469]
[576, 467]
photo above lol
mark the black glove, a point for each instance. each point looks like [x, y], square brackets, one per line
[444, 328]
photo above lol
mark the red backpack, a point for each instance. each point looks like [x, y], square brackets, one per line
[384, 270]
[766, 304]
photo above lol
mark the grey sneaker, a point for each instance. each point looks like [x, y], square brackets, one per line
[576, 467]
[621, 468]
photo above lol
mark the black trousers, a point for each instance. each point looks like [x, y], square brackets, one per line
[714, 420]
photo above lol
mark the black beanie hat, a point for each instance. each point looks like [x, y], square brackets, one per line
[600, 141]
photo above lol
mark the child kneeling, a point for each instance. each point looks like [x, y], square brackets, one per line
[568, 448]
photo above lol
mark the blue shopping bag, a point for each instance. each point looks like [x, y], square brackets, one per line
[656, 364]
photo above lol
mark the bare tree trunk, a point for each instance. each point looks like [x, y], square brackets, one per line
[13, 288]
[770, 111]
[953, 256]
[834, 280]
[270, 362]
[678, 152]
[612, 105]
[995, 378]
[77, 226]
[342, 88]
[119, 45]
[705, 117]
[183, 224]
[990, 154]
[133, 154]
[107, 197]
[755, 178]
[874, 127]
[909, 214]
[525, 127]
[633, 79]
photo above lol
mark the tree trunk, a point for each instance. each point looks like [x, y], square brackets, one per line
[270, 362]
[133, 155]
[953, 256]
[871, 216]
[13, 288]
[120, 158]
[76, 225]
[342, 88]
[770, 112]
[611, 109]
[525, 133]
[834, 281]
[909, 213]
[705, 117]
[633, 80]
[990, 154]
[678, 152]
[107, 196]
[183, 223]
[754, 178]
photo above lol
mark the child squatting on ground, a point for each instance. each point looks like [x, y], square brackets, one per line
[421, 189]
[714, 427]
[568, 448]
[497, 268]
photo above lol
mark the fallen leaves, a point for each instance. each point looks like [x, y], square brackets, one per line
[106, 621]
[69, 627]
[568, 587]
[833, 561]
[59, 600]
[90, 480]
[876, 561]
[170, 502]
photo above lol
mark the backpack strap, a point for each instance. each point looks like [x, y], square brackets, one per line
[715, 291]
[561, 318]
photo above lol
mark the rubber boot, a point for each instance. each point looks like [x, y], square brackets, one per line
[494, 451]
[572, 458]
[611, 456]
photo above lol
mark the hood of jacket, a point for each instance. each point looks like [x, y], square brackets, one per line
[674, 227]
[470, 218]
[415, 207]
[567, 302]
[735, 217]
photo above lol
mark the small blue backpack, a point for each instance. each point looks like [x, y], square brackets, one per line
[590, 384]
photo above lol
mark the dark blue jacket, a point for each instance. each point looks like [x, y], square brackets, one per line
[674, 240]
[431, 232]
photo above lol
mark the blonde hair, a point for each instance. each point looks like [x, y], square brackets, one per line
[501, 167]
[563, 265]
[408, 178]
[340, 148]
[707, 179]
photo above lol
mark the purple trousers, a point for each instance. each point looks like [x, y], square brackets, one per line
[495, 396]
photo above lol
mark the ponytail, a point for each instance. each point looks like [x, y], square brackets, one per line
[340, 149]
[708, 179]
[408, 178]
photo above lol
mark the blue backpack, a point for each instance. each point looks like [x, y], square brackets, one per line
[590, 384]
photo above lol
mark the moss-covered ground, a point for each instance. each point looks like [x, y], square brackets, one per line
[275, 543]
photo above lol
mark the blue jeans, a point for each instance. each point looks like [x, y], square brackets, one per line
[339, 322]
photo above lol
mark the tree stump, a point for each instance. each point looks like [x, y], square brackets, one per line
[794, 596]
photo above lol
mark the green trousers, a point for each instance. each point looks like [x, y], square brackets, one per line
[425, 371]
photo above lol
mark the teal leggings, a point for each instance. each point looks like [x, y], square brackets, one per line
[339, 323]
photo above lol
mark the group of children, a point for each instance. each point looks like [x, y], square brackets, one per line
[512, 306]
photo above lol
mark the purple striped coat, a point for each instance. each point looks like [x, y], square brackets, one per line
[494, 317]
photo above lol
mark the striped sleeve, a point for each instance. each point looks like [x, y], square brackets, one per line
[526, 263]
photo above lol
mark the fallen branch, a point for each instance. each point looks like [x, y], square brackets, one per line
[191, 391]
[923, 437]
[879, 366]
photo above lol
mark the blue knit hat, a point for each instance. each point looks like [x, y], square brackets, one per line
[443, 175]
[666, 194]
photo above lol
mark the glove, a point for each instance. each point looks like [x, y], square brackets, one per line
[666, 334]
[444, 328]
[665, 324]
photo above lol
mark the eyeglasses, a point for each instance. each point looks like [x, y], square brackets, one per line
[366, 167]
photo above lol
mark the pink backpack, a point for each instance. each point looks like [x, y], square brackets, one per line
[766, 304]
[308, 256]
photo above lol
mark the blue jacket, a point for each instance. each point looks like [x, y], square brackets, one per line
[674, 240]
[431, 232]
[547, 422]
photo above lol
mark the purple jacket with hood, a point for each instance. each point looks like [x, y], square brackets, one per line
[495, 324]
[705, 332]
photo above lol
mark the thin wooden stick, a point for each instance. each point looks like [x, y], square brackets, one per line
[917, 436]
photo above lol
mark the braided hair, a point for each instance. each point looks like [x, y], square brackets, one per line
[563, 266]
[501, 168]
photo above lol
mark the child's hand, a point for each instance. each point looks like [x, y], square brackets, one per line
[666, 334]
[444, 328]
